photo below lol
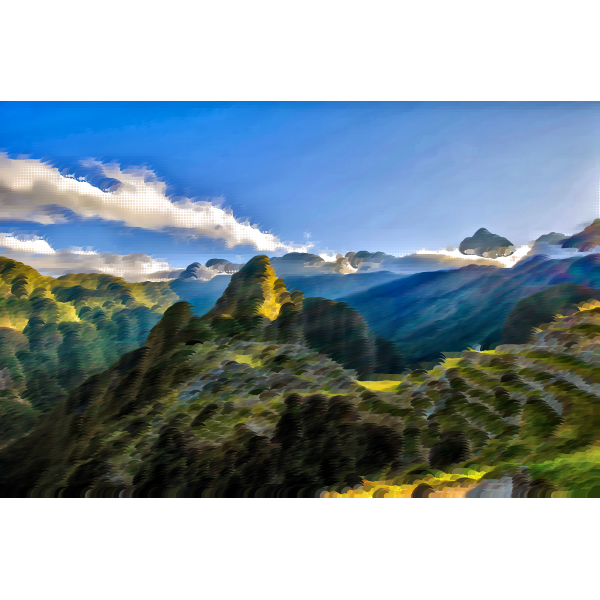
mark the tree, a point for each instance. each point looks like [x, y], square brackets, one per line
[19, 286]
[174, 320]
[541, 307]
[387, 357]
[453, 448]
[196, 332]
[341, 449]
[380, 446]
[538, 421]
[74, 360]
[288, 328]
[288, 438]
[338, 331]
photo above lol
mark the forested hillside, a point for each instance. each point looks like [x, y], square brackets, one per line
[244, 401]
[55, 332]
[257, 306]
[192, 413]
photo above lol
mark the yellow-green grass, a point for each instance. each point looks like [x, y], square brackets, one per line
[247, 359]
[387, 385]
[445, 485]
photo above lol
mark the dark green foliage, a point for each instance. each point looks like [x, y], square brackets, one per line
[288, 324]
[387, 357]
[504, 403]
[341, 448]
[124, 326]
[323, 442]
[56, 352]
[225, 326]
[453, 448]
[74, 356]
[16, 416]
[11, 342]
[19, 286]
[412, 446]
[423, 490]
[194, 406]
[338, 331]
[83, 476]
[196, 332]
[540, 308]
[380, 446]
[297, 298]
[206, 413]
[8, 267]
[430, 434]
[175, 318]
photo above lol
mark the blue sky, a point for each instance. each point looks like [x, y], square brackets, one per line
[394, 177]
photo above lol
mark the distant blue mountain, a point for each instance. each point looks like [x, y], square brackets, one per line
[447, 311]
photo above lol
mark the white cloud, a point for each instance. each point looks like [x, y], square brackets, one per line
[37, 253]
[555, 252]
[29, 187]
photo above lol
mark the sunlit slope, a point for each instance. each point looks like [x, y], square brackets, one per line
[254, 292]
[256, 306]
[55, 332]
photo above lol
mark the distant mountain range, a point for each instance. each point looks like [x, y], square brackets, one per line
[486, 245]
[429, 313]
[439, 307]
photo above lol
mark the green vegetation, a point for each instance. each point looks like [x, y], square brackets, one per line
[268, 394]
[54, 333]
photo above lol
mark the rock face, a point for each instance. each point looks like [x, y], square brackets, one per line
[486, 244]
[492, 488]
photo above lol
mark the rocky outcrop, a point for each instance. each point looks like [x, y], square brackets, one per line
[486, 244]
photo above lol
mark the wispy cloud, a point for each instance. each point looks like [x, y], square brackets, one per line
[37, 253]
[29, 188]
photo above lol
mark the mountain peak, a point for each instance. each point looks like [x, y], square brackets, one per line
[486, 244]
[255, 290]
[217, 261]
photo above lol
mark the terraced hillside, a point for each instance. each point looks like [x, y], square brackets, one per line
[530, 412]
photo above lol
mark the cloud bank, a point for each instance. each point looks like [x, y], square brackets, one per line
[37, 253]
